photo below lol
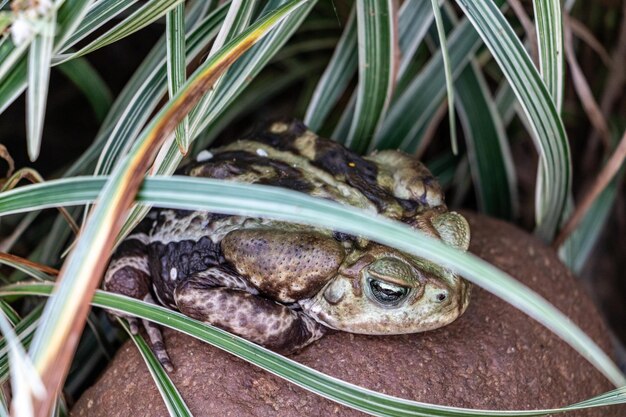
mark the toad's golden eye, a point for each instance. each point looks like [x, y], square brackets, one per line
[387, 293]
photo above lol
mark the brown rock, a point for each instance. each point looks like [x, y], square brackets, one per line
[494, 357]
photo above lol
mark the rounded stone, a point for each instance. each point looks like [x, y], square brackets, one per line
[493, 357]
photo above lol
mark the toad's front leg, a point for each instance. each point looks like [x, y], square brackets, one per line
[250, 316]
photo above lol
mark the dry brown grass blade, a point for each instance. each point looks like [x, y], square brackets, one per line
[584, 34]
[4, 154]
[613, 90]
[582, 87]
[34, 177]
[606, 175]
[23, 261]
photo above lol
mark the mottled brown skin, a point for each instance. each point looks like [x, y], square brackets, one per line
[283, 285]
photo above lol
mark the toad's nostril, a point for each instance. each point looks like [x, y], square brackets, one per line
[441, 297]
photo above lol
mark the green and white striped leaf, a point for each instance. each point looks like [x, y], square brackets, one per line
[337, 390]
[554, 179]
[236, 79]
[65, 312]
[144, 92]
[24, 330]
[10, 55]
[549, 24]
[237, 19]
[414, 19]
[147, 14]
[176, 65]
[413, 108]
[70, 16]
[441, 34]
[25, 381]
[335, 78]
[265, 201]
[377, 45]
[39, 57]
[96, 16]
[413, 23]
[13, 84]
[489, 154]
[171, 397]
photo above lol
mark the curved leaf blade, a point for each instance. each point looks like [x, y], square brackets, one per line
[549, 23]
[335, 78]
[265, 201]
[171, 397]
[332, 388]
[65, 313]
[554, 179]
[377, 70]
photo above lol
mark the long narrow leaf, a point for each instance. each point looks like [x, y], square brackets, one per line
[377, 45]
[489, 154]
[554, 179]
[414, 107]
[237, 19]
[549, 23]
[65, 313]
[171, 397]
[335, 78]
[332, 388]
[274, 202]
[176, 65]
[39, 57]
[144, 92]
[148, 13]
[413, 23]
[99, 14]
[441, 34]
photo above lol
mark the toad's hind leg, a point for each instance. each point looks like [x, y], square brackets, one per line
[129, 274]
[250, 316]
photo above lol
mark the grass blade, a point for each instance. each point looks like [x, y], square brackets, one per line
[148, 13]
[337, 390]
[441, 33]
[335, 78]
[97, 15]
[488, 150]
[64, 317]
[144, 91]
[377, 45]
[422, 96]
[415, 17]
[176, 65]
[25, 382]
[171, 397]
[39, 58]
[256, 200]
[237, 19]
[549, 23]
[554, 179]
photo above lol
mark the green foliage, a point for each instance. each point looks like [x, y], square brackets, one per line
[356, 96]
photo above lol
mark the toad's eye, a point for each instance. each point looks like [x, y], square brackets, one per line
[387, 293]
